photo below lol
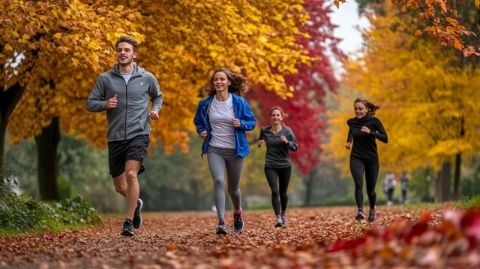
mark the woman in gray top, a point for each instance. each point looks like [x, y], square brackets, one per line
[279, 139]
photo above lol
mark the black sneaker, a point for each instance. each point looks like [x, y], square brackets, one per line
[127, 229]
[371, 215]
[360, 215]
[221, 228]
[238, 222]
[137, 218]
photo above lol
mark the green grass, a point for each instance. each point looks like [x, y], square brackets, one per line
[471, 202]
[21, 214]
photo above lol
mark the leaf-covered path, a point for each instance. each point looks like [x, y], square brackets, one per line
[187, 240]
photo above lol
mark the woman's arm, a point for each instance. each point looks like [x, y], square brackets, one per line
[380, 133]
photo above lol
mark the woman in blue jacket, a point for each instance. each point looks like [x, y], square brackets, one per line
[221, 120]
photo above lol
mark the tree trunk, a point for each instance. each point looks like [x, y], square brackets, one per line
[428, 183]
[442, 188]
[458, 174]
[3, 133]
[458, 165]
[8, 101]
[196, 196]
[309, 186]
[47, 145]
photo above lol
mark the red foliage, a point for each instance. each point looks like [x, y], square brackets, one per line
[455, 226]
[307, 108]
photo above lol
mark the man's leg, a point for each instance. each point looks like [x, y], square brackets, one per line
[120, 184]
[133, 188]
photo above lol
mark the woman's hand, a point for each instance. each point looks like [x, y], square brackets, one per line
[284, 139]
[203, 134]
[236, 123]
[365, 129]
[260, 143]
[348, 145]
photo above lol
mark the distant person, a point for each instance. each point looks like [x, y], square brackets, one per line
[123, 93]
[389, 187]
[404, 186]
[279, 140]
[222, 120]
[364, 129]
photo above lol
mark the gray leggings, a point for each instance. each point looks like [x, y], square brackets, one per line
[220, 160]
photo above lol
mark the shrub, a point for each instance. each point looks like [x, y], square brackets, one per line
[472, 201]
[23, 214]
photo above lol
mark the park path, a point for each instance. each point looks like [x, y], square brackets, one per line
[187, 240]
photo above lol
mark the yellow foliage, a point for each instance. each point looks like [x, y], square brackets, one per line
[429, 103]
[66, 44]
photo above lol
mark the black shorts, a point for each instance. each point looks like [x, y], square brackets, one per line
[119, 152]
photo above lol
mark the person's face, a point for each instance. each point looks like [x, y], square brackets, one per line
[220, 82]
[276, 116]
[125, 53]
[360, 109]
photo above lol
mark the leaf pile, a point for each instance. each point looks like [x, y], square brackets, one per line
[315, 238]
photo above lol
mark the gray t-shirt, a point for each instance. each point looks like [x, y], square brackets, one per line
[277, 155]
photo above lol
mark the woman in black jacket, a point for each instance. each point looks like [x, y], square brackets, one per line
[364, 129]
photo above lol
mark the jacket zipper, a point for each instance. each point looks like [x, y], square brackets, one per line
[126, 108]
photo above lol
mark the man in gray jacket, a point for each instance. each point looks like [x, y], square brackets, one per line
[123, 93]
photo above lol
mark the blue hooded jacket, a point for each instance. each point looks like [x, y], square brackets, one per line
[242, 111]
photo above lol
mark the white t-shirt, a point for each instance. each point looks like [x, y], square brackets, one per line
[220, 115]
[127, 76]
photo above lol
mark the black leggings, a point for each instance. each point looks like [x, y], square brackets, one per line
[279, 188]
[359, 167]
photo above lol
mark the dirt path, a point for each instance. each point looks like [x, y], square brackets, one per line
[187, 240]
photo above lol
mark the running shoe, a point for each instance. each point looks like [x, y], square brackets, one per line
[360, 215]
[284, 221]
[127, 229]
[137, 218]
[371, 215]
[221, 228]
[238, 222]
[278, 221]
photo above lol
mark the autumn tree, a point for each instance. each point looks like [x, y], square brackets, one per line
[428, 102]
[441, 20]
[49, 52]
[309, 88]
[453, 24]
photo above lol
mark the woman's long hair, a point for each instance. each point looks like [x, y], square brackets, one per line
[371, 107]
[238, 83]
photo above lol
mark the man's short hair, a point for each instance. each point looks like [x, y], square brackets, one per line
[128, 39]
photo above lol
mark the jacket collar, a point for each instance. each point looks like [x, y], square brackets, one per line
[234, 97]
[137, 70]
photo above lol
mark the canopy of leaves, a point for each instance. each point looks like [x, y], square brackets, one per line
[68, 43]
[428, 101]
[441, 20]
[54, 49]
[306, 109]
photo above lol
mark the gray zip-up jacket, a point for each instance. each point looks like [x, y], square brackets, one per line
[131, 116]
